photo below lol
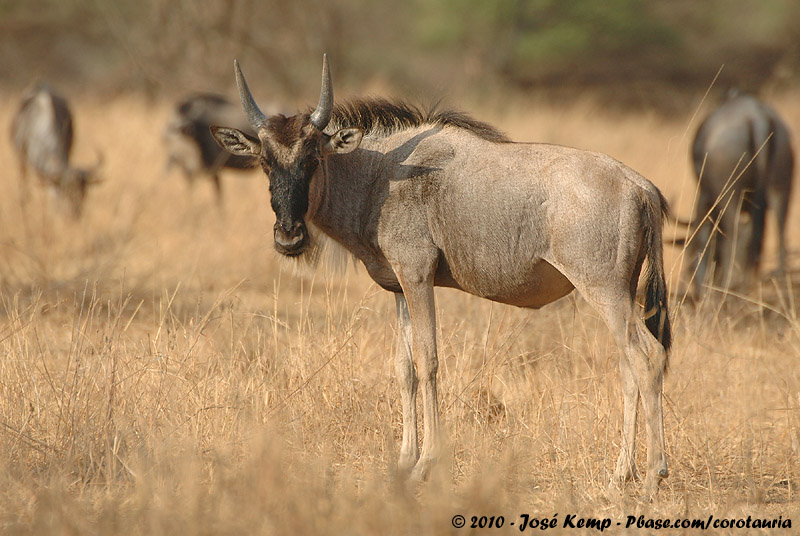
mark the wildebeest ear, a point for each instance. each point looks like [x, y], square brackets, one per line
[235, 141]
[344, 141]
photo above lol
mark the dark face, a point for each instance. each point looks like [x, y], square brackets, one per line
[290, 150]
[290, 156]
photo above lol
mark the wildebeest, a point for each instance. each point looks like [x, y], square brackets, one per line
[42, 133]
[743, 159]
[190, 145]
[438, 198]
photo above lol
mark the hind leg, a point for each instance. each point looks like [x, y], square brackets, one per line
[643, 361]
[778, 201]
[647, 358]
[651, 374]
[735, 235]
[755, 246]
[703, 247]
[626, 467]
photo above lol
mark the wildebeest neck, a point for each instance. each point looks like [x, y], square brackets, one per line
[348, 193]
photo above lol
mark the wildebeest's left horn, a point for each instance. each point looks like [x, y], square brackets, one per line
[322, 115]
[254, 115]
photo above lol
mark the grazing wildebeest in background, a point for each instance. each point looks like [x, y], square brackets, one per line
[743, 159]
[190, 145]
[437, 198]
[41, 132]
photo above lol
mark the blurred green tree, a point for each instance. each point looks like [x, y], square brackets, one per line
[625, 45]
[528, 39]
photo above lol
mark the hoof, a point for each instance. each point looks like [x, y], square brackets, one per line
[622, 477]
[651, 483]
[624, 473]
[648, 496]
[615, 490]
[661, 470]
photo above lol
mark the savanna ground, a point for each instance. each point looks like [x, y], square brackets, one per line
[163, 371]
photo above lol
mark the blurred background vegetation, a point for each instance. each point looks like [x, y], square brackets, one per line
[646, 52]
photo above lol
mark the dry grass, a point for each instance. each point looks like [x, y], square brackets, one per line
[163, 371]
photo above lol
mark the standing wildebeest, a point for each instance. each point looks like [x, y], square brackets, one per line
[743, 159]
[190, 145]
[42, 135]
[437, 198]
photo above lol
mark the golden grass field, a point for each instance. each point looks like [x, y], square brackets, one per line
[164, 372]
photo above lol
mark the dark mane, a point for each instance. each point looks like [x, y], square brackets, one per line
[383, 117]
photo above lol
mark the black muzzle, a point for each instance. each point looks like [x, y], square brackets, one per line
[290, 240]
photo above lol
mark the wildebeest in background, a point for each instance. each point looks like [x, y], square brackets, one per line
[42, 134]
[190, 145]
[437, 198]
[743, 159]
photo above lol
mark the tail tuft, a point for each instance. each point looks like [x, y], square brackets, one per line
[657, 313]
[656, 310]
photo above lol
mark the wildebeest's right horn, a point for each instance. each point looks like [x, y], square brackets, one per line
[254, 115]
[322, 115]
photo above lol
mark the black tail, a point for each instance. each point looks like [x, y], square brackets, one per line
[655, 302]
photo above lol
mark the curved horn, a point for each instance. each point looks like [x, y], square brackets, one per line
[254, 115]
[322, 114]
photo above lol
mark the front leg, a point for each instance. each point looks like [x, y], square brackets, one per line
[407, 381]
[418, 292]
